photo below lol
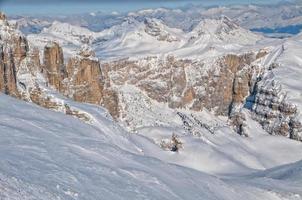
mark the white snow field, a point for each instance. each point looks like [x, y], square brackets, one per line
[49, 155]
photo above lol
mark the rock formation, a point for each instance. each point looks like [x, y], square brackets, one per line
[7, 72]
[53, 67]
[23, 76]
[13, 48]
[186, 83]
[273, 111]
[84, 78]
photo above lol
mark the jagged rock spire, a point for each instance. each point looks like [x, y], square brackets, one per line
[54, 64]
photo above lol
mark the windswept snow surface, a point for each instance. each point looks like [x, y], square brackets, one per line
[48, 155]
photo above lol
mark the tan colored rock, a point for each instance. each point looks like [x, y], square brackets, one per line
[8, 83]
[21, 49]
[189, 96]
[172, 81]
[54, 65]
[85, 79]
[241, 87]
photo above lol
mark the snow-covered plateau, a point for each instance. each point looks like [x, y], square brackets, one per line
[146, 109]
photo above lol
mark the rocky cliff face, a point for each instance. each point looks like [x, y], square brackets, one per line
[84, 78]
[13, 48]
[7, 72]
[53, 67]
[189, 84]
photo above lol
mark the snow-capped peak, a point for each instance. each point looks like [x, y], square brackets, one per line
[214, 26]
[67, 29]
[222, 30]
[156, 28]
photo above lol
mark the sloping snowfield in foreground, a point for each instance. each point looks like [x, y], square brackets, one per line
[48, 155]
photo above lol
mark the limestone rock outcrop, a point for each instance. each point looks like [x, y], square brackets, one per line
[13, 49]
[23, 76]
[53, 67]
[84, 78]
[8, 83]
[184, 83]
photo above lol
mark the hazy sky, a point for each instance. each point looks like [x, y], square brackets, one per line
[82, 6]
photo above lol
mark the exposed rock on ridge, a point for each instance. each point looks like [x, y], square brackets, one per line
[13, 49]
[273, 111]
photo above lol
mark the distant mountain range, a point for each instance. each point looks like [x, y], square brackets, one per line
[283, 19]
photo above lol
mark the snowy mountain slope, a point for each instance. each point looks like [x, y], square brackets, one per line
[292, 172]
[131, 34]
[157, 121]
[133, 38]
[48, 155]
[213, 37]
[28, 25]
[235, 154]
[223, 31]
[67, 159]
[290, 71]
[285, 179]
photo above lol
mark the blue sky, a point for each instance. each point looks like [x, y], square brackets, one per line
[82, 6]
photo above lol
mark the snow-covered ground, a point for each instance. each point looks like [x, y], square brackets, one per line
[48, 155]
